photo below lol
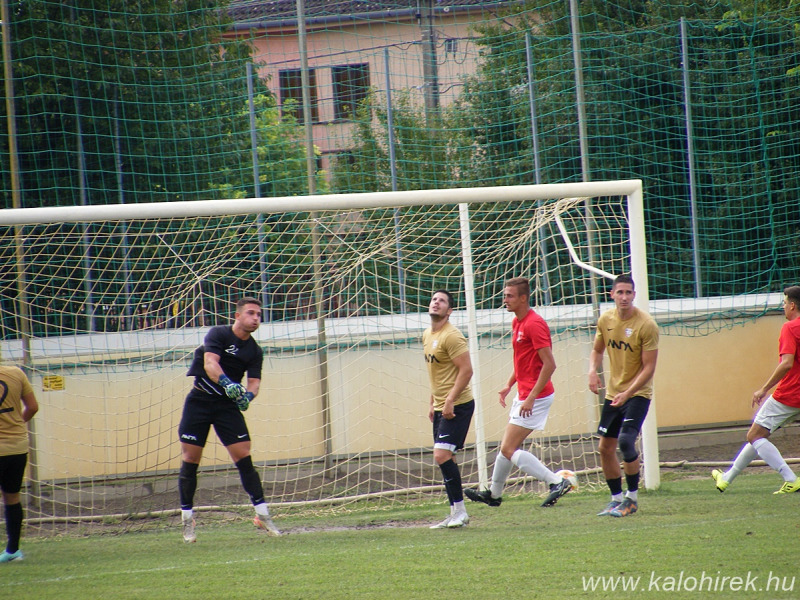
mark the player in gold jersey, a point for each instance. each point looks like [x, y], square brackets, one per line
[451, 403]
[17, 407]
[630, 337]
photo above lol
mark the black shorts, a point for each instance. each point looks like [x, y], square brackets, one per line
[450, 434]
[629, 416]
[12, 471]
[201, 411]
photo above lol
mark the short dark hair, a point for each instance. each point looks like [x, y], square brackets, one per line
[624, 278]
[247, 300]
[792, 294]
[451, 302]
[522, 284]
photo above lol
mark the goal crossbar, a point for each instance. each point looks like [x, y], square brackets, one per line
[323, 202]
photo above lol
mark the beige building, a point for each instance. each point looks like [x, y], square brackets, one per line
[422, 47]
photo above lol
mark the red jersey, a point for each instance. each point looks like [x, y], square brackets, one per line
[529, 335]
[788, 390]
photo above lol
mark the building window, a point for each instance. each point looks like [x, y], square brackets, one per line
[291, 89]
[350, 86]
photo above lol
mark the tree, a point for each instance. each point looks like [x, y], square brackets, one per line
[745, 116]
[120, 101]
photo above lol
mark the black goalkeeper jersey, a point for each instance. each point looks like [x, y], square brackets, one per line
[237, 357]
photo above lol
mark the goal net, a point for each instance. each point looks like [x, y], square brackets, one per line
[109, 302]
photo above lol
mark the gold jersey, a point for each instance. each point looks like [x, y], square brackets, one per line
[624, 342]
[13, 430]
[440, 349]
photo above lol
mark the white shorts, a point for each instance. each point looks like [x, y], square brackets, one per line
[538, 418]
[773, 414]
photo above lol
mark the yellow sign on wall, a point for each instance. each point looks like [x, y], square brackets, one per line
[53, 383]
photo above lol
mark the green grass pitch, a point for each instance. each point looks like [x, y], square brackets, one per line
[686, 541]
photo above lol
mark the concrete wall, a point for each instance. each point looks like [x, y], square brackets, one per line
[122, 418]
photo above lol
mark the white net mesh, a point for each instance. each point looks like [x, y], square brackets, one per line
[117, 307]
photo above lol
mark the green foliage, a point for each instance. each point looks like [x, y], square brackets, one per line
[124, 102]
[745, 126]
[742, 61]
[421, 152]
[281, 154]
[119, 101]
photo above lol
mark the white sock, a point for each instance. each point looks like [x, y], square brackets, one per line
[186, 515]
[617, 497]
[458, 508]
[634, 495]
[772, 456]
[502, 468]
[531, 465]
[746, 455]
[262, 510]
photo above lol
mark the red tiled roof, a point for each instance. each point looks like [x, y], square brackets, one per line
[251, 12]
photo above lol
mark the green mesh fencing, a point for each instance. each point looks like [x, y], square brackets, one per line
[124, 102]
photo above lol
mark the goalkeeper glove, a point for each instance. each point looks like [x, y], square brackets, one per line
[245, 401]
[232, 389]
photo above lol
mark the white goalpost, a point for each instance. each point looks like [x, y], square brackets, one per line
[638, 270]
[109, 302]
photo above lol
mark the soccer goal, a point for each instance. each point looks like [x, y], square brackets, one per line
[104, 305]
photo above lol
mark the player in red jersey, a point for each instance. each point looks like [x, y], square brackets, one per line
[533, 366]
[782, 407]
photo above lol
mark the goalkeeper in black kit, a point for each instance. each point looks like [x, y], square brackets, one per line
[218, 398]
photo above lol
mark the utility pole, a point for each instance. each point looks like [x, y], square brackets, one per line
[430, 69]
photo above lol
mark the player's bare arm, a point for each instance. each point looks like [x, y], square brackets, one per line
[212, 366]
[253, 385]
[548, 368]
[463, 363]
[29, 407]
[503, 393]
[645, 374]
[786, 364]
[595, 364]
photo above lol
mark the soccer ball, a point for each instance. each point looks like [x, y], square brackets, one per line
[569, 476]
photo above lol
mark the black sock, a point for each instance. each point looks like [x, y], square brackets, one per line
[250, 480]
[632, 481]
[13, 526]
[452, 481]
[187, 484]
[615, 485]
